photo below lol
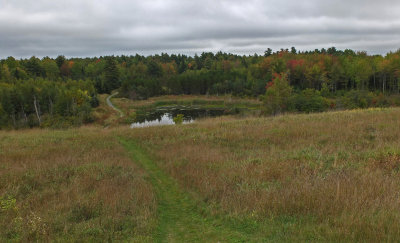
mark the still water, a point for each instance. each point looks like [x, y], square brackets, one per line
[165, 116]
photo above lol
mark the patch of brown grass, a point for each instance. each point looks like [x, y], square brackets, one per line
[72, 185]
[182, 98]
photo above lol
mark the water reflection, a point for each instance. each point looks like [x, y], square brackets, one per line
[165, 116]
[165, 119]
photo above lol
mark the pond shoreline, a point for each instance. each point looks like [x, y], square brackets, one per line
[165, 115]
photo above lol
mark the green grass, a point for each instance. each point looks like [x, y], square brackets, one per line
[184, 218]
[180, 218]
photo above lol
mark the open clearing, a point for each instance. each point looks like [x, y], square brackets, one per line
[318, 177]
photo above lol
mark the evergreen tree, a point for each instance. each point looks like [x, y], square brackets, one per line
[111, 75]
[60, 60]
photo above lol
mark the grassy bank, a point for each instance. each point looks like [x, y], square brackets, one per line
[186, 100]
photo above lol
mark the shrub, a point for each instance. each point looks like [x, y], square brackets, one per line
[357, 99]
[178, 119]
[310, 100]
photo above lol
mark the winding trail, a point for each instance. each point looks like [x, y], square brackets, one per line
[108, 100]
[180, 217]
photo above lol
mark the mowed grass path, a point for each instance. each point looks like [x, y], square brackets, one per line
[328, 177]
[180, 218]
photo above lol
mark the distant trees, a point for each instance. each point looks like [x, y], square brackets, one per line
[140, 77]
[45, 103]
[309, 76]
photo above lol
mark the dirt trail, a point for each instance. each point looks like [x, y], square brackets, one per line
[121, 114]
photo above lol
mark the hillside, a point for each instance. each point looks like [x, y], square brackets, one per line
[318, 177]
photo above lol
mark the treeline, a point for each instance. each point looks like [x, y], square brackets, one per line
[36, 92]
[41, 102]
[221, 73]
[32, 90]
[281, 97]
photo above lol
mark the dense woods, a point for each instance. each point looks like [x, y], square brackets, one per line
[62, 91]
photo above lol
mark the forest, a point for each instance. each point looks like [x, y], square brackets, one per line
[52, 92]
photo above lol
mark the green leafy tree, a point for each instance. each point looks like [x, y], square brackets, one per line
[277, 95]
[50, 68]
[5, 74]
[154, 69]
[309, 100]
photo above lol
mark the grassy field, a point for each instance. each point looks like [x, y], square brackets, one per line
[324, 177]
[73, 185]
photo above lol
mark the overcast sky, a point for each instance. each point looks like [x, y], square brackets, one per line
[105, 27]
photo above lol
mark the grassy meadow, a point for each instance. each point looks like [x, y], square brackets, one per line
[74, 185]
[326, 177]
[313, 177]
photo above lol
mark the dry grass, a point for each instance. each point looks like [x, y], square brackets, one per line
[104, 115]
[323, 177]
[339, 170]
[129, 106]
[188, 98]
[72, 185]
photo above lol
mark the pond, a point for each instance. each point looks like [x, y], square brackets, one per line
[165, 115]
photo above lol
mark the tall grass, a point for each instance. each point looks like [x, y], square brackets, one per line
[72, 185]
[337, 170]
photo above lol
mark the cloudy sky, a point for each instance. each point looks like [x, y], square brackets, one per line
[105, 27]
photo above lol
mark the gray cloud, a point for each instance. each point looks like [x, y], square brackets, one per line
[104, 27]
